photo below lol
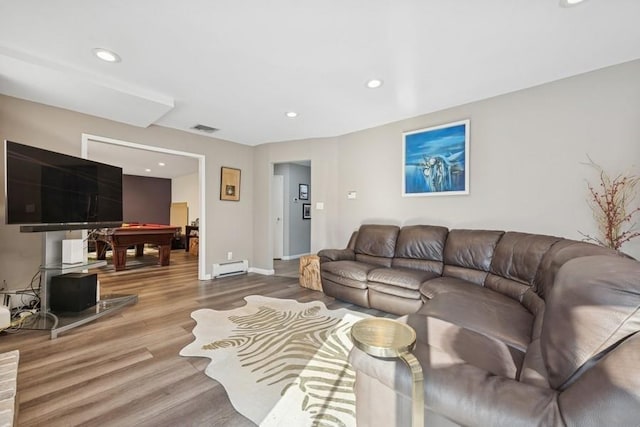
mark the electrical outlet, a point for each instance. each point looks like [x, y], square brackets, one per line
[229, 256]
[19, 299]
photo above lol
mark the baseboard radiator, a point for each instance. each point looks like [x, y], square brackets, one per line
[230, 268]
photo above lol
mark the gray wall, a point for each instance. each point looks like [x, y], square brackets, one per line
[297, 233]
[526, 155]
[146, 199]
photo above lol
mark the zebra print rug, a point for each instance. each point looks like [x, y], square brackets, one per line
[283, 363]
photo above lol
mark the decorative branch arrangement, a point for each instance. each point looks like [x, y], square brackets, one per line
[612, 206]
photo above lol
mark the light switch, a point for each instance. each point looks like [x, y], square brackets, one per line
[351, 195]
[319, 206]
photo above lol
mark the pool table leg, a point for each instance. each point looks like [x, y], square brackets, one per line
[101, 250]
[120, 257]
[164, 252]
[139, 249]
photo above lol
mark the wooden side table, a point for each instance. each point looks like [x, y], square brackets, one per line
[194, 245]
[188, 235]
[386, 338]
[310, 272]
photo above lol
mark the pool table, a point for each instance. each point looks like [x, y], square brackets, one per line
[121, 238]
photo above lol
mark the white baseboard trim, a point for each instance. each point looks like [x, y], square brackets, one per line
[262, 271]
[290, 257]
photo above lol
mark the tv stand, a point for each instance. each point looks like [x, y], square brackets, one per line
[37, 228]
[52, 266]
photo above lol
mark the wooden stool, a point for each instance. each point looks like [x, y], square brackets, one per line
[310, 272]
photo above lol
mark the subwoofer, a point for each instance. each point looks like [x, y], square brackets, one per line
[73, 292]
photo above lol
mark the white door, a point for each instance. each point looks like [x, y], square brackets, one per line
[277, 215]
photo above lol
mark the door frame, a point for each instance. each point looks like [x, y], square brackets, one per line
[283, 219]
[271, 231]
[202, 271]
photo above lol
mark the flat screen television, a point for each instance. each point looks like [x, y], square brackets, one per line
[44, 187]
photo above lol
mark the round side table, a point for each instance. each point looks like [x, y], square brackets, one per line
[386, 338]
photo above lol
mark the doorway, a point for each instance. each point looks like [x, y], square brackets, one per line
[93, 139]
[291, 194]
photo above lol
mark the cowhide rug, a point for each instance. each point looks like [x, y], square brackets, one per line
[283, 363]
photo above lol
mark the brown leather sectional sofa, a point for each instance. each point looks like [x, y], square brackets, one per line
[513, 328]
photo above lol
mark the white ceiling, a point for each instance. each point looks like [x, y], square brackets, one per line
[134, 161]
[239, 65]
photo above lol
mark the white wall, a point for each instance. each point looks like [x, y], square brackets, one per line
[186, 189]
[526, 156]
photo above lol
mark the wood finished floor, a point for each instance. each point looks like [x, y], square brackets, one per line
[124, 370]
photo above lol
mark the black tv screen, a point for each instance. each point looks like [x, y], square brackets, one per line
[45, 187]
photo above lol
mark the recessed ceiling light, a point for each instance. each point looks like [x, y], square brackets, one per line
[374, 83]
[570, 3]
[147, 170]
[106, 55]
[160, 164]
[291, 114]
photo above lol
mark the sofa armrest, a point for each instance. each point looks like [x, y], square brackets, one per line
[336, 255]
[462, 392]
[478, 398]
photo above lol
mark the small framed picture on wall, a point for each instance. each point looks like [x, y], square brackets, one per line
[230, 184]
[306, 211]
[303, 191]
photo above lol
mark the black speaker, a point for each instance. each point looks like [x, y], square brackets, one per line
[73, 291]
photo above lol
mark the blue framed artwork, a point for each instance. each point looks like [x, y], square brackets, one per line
[435, 160]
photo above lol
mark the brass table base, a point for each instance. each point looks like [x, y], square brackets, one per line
[388, 338]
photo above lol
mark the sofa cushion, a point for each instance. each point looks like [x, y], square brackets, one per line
[376, 240]
[477, 349]
[468, 253]
[393, 299]
[421, 247]
[594, 303]
[561, 252]
[395, 290]
[518, 255]
[348, 273]
[439, 285]
[484, 311]
[355, 295]
[429, 289]
[400, 277]
[516, 261]
[374, 260]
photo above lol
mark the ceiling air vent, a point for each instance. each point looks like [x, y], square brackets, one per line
[205, 128]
